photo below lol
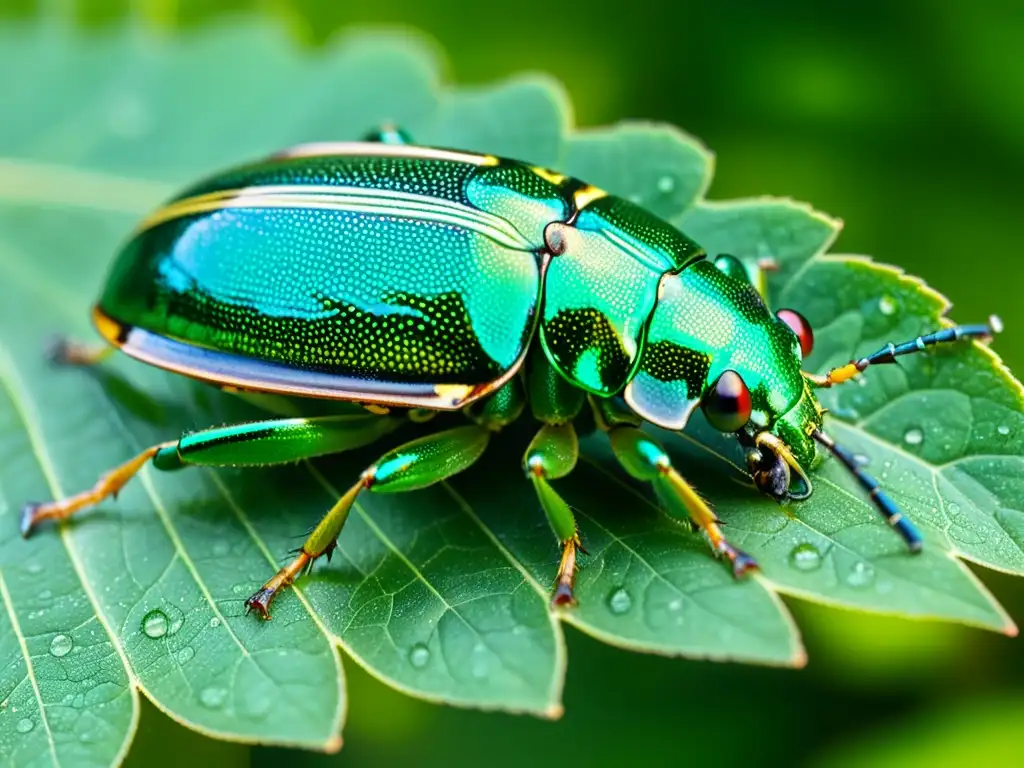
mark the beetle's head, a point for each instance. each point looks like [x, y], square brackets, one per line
[770, 406]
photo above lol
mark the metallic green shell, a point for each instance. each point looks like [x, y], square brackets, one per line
[413, 276]
[398, 273]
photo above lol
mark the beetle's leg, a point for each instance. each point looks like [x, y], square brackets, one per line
[645, 459]
[65, 351]
[279, 441]
[753, 272]
[389, 133]
[890, 352]
[552, 454]
[409, 467]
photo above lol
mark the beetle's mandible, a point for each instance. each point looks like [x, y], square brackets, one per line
[409, 280]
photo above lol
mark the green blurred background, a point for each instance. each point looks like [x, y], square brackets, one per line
[904, 119]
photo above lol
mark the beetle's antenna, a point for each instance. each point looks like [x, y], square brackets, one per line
[890, 352]
[886, 506]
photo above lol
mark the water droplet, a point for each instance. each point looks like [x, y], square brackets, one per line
[619, 601]
[34, 567]
[861, 575]
[1003, 430]
[154, 624]
[214, 622]
[666, 184]
[887, 305]
[221, 549]
[805, 557]
[60, 645]
[46, 594]
[861, 459]
[25, 725]
[953, 508]
[213, 698]
[238, 588]
[419, 655]
[480, 662]
[913, 436]
[184, 655]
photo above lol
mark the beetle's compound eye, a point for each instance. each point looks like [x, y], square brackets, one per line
[727, 403]
[798, 324]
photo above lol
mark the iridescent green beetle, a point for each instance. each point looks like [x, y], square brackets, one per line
[400, 277]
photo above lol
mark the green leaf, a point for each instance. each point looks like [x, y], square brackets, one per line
[442, 593]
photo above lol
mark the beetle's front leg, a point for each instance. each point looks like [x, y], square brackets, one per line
[409, 467]
[645, 459]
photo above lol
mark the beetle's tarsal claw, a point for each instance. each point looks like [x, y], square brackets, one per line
[28, 519]
[264, 596]
[742, 563]
[260, 602]
[563, 596]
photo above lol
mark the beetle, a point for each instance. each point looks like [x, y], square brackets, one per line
[409, 280]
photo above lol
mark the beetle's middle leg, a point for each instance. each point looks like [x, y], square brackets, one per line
[412, 466]
[552, 454]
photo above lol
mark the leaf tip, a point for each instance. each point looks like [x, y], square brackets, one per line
[333, 745]
[1010, 629]
[554, 711]
[799, 658]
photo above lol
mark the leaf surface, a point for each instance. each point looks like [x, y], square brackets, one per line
[442, 593]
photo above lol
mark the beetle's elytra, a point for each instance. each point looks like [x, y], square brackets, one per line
[405, 277]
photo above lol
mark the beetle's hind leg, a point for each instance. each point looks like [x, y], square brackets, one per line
[66, 351]
[409, 467]
[278, 441]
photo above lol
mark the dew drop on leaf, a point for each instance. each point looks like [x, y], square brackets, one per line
[419, 656]
[1003, 430]
[805, 557]
[46, 594]
[221, 548]
[913, 436]
[619, 601]
[666, 184]
[887, 305]
[60, 645]
[185, 654]
[34, 567]
[25, 725]
[214, 622]
[154, 624]
[213, 697]
[861, 575]
[861, 459]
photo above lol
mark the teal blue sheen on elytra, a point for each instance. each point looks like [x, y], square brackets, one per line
[385, 269]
